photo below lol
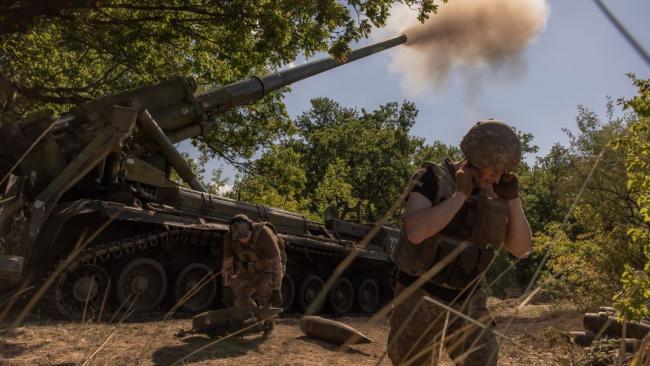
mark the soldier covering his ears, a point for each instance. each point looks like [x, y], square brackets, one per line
[253, 263]
[473, 202]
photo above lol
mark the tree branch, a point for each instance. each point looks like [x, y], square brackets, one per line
[35, 94]
[18, 19]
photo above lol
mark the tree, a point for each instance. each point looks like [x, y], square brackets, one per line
[591, 249]
[543, 188]
[340, 155]
[438, 152]
[276, 179]
[54, 54]
[632, 301]
[64, 52]
[334, 188]
[375, 145]
[215, 185]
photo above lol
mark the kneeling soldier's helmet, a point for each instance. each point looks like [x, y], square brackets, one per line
[240, 226]
[492, 144]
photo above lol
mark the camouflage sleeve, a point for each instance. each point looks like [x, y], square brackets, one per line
[227, 246]
[276, 269]
[227, 262]
[268, 242]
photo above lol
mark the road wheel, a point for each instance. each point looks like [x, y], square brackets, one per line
[81, 293]
[196, 278]
[288, 292]
[310, 287]
[368, 296]
[341, 296]
[141, 285]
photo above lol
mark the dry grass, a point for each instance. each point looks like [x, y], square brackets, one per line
[536, 327]
[534, 331]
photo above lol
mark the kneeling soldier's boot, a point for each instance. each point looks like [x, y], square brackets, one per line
[268, 327]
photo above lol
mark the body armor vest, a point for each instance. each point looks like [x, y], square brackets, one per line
[481, 221]
[250, 257]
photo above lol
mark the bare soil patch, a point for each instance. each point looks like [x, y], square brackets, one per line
[536, 330]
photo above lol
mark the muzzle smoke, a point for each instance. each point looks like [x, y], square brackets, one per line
[466, 35]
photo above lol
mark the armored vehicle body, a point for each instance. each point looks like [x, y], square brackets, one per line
[87, 199]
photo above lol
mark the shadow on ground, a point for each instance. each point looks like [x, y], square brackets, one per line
[9, 350]
[332, 347]
[228, 348]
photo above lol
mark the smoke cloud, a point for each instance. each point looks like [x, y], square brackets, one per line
[475, 37]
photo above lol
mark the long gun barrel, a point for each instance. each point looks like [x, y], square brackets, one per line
[168, 112]
[224, 98]
[182, 114]
[249, 90]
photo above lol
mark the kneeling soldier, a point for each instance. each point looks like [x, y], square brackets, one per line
[257, 254]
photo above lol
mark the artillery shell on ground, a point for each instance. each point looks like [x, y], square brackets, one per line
[221, 322]
[614, 327]
[582, 338]
[607, 309]
[585, 338]
[331, 331]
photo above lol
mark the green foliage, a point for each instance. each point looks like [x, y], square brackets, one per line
[633, 299]
[376, 144]
[237, 135]
[58, 54]
[527, 146]
[70, 51]
[585, 268]
[597, 252]
[631, 302]
[342, 156]
[334, 187]
[588, 251]
[438, 152]
[279, 181]
[543, 188]
[502, 280]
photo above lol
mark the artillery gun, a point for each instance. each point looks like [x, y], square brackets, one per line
[92, 190]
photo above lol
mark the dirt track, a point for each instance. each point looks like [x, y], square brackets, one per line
[536, 329]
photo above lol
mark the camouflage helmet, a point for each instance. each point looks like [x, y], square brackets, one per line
[492, 144]
[240, 218]
[240, 226]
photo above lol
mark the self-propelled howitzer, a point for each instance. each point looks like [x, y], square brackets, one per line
[92, 188]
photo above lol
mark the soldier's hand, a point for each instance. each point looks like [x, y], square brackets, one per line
[507, 187]
[276, 299]
[466, 177]
[227, 297]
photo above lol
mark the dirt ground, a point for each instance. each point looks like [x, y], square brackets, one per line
[536, 331]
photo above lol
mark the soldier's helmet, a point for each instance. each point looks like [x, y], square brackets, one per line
[240, 226]
[492, 144]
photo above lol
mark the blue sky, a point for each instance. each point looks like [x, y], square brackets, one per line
[579, 59]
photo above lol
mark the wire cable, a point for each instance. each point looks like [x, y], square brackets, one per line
[628, 36]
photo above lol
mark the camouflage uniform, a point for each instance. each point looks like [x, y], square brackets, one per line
[254, 272]
[418, 325]
[486, 224]
[245, 284]
[460, 336]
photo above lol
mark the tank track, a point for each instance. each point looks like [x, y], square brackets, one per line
[140, 243]
[114, 250]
